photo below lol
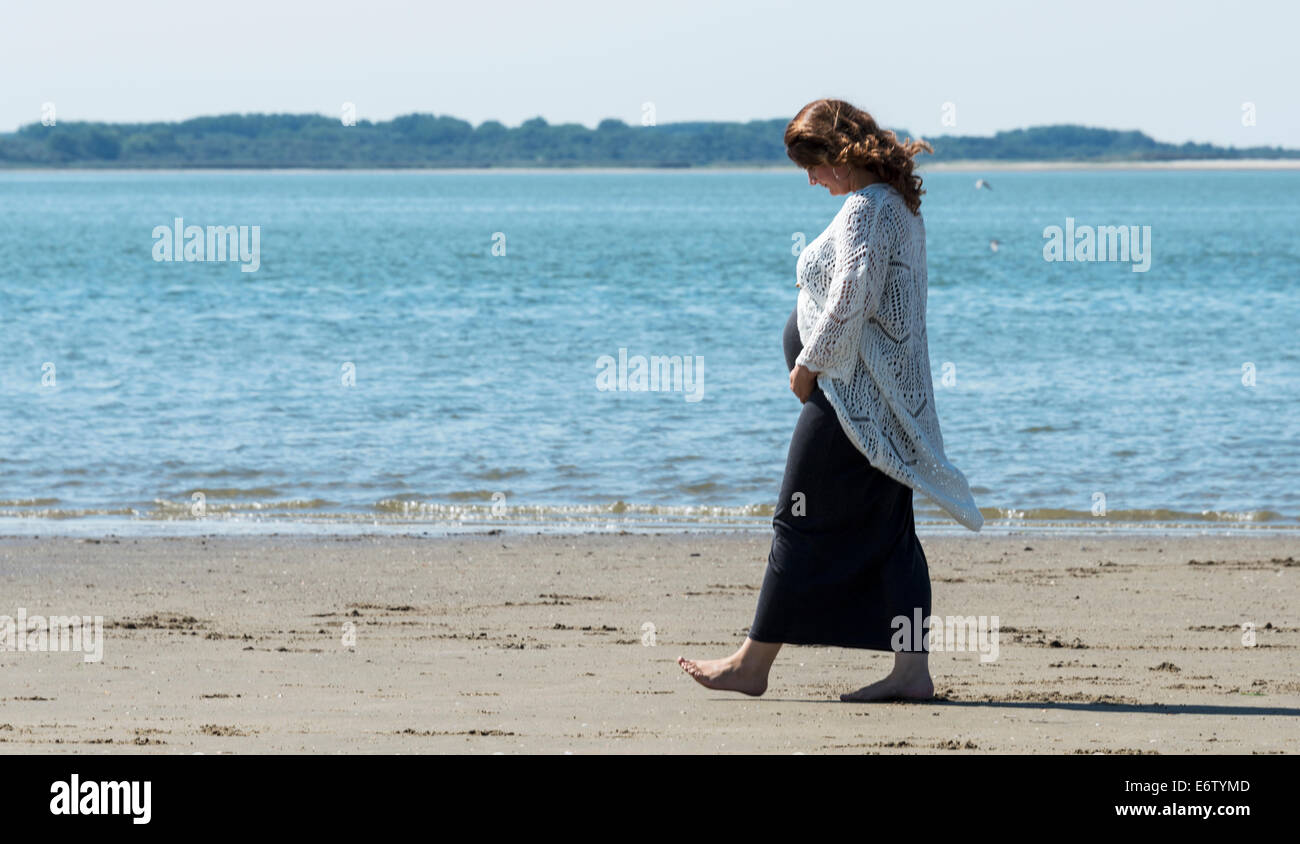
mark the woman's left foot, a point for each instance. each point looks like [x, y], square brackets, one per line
[729, 675]
[893, 688]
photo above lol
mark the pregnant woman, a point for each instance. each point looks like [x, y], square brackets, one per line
[846, 564]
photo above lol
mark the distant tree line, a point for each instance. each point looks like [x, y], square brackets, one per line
[426, 140]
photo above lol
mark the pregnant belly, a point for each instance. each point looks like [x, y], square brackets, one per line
[790, 340]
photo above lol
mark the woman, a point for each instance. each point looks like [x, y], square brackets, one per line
[846, 567]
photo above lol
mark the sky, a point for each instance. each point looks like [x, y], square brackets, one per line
[1178, 71]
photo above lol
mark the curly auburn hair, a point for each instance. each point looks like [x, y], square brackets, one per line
[836, 133]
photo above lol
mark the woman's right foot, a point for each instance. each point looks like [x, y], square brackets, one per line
[728, 675]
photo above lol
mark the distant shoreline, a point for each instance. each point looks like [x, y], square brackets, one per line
[938, 167]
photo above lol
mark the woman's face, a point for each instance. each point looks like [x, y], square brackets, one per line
[824, 175]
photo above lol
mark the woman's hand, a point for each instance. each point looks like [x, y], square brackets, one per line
[802, 382]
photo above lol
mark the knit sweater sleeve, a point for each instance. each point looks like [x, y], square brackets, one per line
[862, 253]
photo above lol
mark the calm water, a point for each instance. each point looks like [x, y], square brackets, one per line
[128, 385]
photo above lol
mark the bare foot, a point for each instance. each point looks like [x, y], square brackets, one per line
[728, 675]
[893, 688]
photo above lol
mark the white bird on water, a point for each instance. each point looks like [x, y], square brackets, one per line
[993, 245]
[980, 183]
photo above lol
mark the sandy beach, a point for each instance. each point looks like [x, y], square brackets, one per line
[553, 644]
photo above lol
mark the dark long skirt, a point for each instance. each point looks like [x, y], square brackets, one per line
[845, 559]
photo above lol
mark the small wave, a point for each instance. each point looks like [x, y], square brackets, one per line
[228, 473]
[59, 514]
[1041, 429]
[168, 509]
[236, 492]
[564, 512]
[700, 488]
[1156, 514]
[498, 474]
[294, 504]
[454, 495]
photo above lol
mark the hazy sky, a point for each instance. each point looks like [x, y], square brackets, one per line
[1177, 70]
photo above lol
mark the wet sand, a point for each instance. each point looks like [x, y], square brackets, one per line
[542, 644]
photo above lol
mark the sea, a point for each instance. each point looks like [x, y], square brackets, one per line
[208, 352]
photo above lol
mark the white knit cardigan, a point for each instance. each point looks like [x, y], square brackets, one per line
[861, 320]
